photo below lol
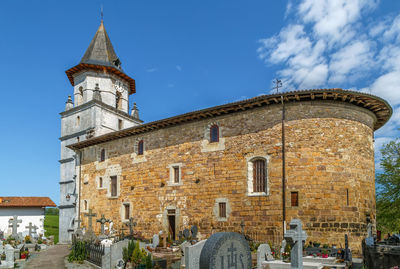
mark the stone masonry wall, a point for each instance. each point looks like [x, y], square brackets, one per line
[329, 154]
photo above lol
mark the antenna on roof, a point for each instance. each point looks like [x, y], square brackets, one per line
[101, 12]
[278, 84]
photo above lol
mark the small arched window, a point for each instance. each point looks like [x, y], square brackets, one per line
[85, 205]
[259, 176]
[78, 121]
[214, 133]
[140, 147]
[102, 155]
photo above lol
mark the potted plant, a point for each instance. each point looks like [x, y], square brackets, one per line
[316, 244]
[28, 239]
[324, 253]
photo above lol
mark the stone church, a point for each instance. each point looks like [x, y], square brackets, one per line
[219, 168]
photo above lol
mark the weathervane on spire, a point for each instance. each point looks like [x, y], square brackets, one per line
[101, 12]
[278, 83]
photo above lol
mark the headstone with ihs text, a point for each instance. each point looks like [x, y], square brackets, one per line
[226, 250]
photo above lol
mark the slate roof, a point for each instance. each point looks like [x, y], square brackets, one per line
[100, 56]
[14, 201]
[101, 51]
[378, 106]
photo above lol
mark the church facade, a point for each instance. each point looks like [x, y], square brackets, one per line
[221, 168]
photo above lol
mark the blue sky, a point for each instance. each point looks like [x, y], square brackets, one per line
[184, 56]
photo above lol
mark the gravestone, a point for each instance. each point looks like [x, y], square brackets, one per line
[194, 231]
[295, 236]
[192, 254]
[347, 252]
[283, 248]
[1, 235]
[186, 234]
[183, 250]
[102, 221]
[9, 250]
[89, 234]
[30, 227]
[156, 241]
[131, 224]
[263, 254]
[225, 250]
[14, 224]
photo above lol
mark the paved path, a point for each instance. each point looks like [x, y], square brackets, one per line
[53, 258]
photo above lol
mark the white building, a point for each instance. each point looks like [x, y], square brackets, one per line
[27, 209]
[101, 91]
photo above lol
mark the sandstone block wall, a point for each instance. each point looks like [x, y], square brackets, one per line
[329, 162]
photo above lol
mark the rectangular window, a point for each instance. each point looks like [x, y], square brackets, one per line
[222, 210]
[127, 209]
[113, 186]
[100, 182]
[347, 197]
[294, 196]
[176, 174]
[120, 125]
[259, 179]
[140, 147]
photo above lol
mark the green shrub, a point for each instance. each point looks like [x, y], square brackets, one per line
[78, 252]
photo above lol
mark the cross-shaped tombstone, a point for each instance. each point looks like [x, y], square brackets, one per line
[295, 236]
[194, 231]
[78, 221]
[102, 221]
[90, 215]
[131, 224]
[186, 234]
[89, 234]
[14, 225]
[30, 227]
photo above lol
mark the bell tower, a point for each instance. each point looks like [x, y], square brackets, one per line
[100, 105]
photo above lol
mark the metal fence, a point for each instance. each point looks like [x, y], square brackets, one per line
[95, 253]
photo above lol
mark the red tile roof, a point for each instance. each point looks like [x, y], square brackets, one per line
[26, 202]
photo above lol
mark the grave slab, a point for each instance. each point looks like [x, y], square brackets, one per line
[285, 265]
[192, 255]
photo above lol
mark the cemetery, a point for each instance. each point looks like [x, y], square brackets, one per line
[129, 249]
[16, 247]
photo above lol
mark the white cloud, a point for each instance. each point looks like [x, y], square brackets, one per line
[328, 43]
[179, 68]
[151, 70]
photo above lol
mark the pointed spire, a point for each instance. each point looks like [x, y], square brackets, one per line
[101, 51]
[69, 104]
[135, 111]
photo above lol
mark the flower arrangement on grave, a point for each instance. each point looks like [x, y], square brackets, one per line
[134, 256]
[324, 253]
[40, 241]
[286, 253]
[24, 254]
[316, 244]
[3, 256]
[28, 239]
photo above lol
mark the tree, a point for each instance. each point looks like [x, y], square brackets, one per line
[388, 189]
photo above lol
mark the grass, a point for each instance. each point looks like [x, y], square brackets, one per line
[51, 226]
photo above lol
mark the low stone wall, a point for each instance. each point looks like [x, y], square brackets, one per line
[113, 254]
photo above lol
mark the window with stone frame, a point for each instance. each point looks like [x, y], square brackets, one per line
[113, 188]
[214, 133]
[140, 147]
[120, 124]
[102, 155]
[126, 211]
[294, 198]
[222, 210]
[176, 174]
[259, 176]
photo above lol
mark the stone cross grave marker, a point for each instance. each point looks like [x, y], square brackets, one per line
[194, 231]
[226, 250]
[102, 221]
[89, 234]
[264, 254]
[296, 236]
[14, 224]
[186, 234]
[131, 224]
[78, 221]
[90, 215]
[30, 227]
[156, 241]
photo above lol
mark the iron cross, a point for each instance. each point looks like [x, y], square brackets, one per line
[90, 215]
